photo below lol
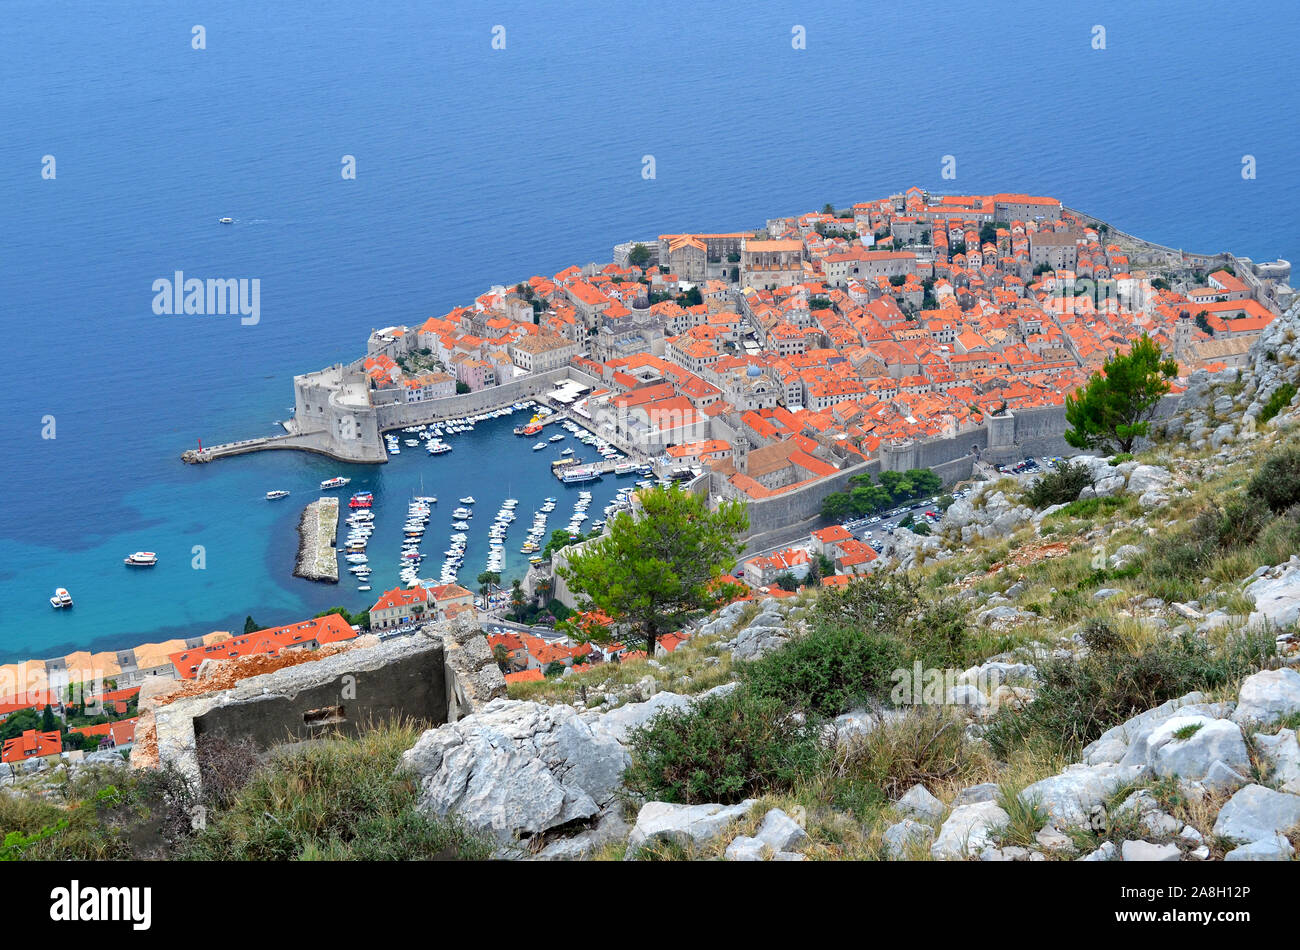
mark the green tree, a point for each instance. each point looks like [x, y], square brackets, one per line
[251, 625]
[48, 722]
[462, 388]
[486, 580]
[787, 581]
[19, 722]
[652, 571]
[639, 256]
[838, 506]
[1115, 408]
[517, 598]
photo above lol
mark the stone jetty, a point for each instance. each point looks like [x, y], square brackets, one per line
[317, 558]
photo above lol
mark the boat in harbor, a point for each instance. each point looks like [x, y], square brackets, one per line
[278, 493]
[141, 559]
[539, 446]
[61, 598]
[568, 451]
[575, 476]
[363, 499]
[560, 463]
[338, 481]
[467, 500]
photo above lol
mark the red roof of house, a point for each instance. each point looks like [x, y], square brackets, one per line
[525, 676]
[401, 597]
[331, 628]
[30, 745]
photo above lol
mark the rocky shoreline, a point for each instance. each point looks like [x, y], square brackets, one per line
[317, 559]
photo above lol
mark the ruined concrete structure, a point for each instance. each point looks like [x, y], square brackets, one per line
[437, 675]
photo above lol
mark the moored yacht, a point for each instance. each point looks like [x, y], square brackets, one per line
[141, 559]
[278, 493]
[61, 598]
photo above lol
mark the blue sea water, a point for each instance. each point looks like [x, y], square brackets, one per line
[478, 166]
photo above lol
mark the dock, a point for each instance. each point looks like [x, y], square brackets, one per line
[317, 531]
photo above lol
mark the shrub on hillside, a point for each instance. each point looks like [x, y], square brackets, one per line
[1219, 528]
[1058, 487]
[335, 800]
[1079, 699]
[721, 749]
[1277, 482]
[829, 671]
[1280, 399]
[926, 748]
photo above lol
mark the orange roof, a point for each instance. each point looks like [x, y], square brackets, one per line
[31, 744]
[401, 597]
[331, 628]
[525, 676]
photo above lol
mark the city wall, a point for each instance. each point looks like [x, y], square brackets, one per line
[1028, 433]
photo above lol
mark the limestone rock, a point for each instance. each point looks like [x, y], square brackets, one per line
[1282, 754]
[906, 836]
[1267, 696]
[684, 825]
[1146, 851]
[969, 830]
[1275, 848]
[919, 801]
[780, 832]
[1257, 813]
[1213, 740]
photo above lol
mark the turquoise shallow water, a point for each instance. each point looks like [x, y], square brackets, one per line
[477, 167]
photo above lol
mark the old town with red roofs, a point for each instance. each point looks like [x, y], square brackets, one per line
[820, 337]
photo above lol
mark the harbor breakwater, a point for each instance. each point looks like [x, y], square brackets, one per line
[317, 530]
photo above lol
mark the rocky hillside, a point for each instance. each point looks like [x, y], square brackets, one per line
[1106, 677]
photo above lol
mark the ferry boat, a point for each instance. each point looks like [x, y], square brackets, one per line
[278, 493]
[338, 481]
[539, 446]
[560, 463]
[626, 468]
[141, 559]
[361, 500]
[579, 475]
[61, 598]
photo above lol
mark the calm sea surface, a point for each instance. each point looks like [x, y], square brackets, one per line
[475, 167]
